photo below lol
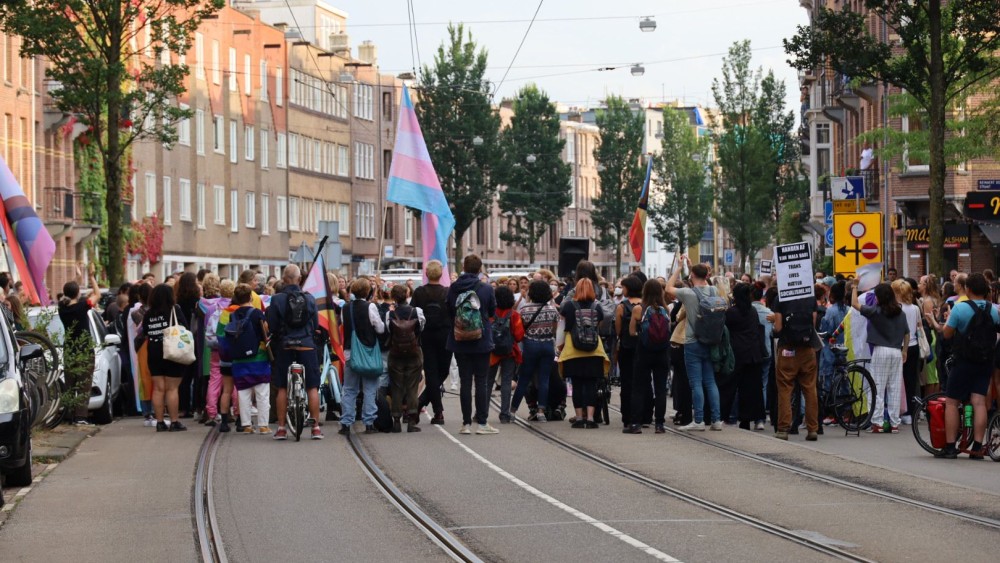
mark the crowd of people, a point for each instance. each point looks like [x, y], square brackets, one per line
[725, 347]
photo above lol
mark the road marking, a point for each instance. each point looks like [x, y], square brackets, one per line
[647, 549]
[576, 522]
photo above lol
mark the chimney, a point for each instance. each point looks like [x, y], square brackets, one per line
[368, 52]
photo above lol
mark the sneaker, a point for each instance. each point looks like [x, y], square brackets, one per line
[632, 429]
[177, 427]
[162, 427]
[894, 430]
[505, 419]
[317, 433]
[466, 429]
[828, 421]
[281, 434]
[263, 429]
[660, 429]
[949, 452]
[699, 426]
[370, 429]
[877, 429]
[758, 426]
[344, 430]
[149, 422]
[248, 429]
[812, 437]
[82, 422]
[592, 424]
[977, 456]
[532, 417]
[717, 426]
[906, 419]
[486, 429]
[540, 417]
[224, 427]
[438, 419]
[781, 435]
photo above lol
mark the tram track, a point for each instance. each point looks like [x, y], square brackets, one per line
[836, 481]
[206, 524]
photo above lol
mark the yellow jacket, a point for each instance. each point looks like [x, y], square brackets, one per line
[569, 352]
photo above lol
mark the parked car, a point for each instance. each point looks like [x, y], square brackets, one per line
[16, 409]
[107, 383]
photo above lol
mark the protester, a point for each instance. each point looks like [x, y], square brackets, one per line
[650, 326]
[889, 336]
[625, 352]
[187, 294]
[911, 362]
[405, 325]
[795, 362]
[211, 304]
[431, 299]
[363, 324]
[746, 336]
[252, 370]
[78, 355]
[508, 332]
[167, 375]
[540, 319]
[930, 304]
[578, 362]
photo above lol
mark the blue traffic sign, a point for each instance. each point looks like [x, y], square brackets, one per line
[828, 213]
[829, 236]
[729, 257]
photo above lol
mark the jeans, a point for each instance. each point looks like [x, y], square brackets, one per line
[647, 366]
[701, 375]
[474, 368]
[506, 368]
[437, 361]
[352, 385]
[536, 359]
[263, 393]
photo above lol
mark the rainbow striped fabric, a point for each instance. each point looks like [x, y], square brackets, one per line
[414, 183]
[35, 248]
[637, 233]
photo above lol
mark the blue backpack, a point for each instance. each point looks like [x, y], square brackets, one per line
[242, 340]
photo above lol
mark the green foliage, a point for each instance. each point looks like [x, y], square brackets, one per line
[93, 191]
[454, 108]
[537, 193]
[940, 53]
[681, 198]
[94, 50]
[790, 223]
[619, 151]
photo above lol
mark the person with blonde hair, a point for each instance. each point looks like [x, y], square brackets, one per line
[911, 362]
[431, 299]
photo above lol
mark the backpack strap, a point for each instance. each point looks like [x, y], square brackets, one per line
[535, 316]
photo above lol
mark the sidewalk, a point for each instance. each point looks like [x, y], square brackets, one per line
[49, 447]
[124, 495]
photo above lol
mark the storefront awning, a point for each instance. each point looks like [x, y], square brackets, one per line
[992, 232]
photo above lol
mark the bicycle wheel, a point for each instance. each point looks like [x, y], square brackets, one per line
[921, 424]
[853, 395]
[993, 436]
[292, 406]
[300, 410]
[47, 373]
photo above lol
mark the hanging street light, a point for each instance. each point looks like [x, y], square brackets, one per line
[638, 70]
[647, 24]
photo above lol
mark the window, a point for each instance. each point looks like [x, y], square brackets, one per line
[317, 156]
[234, 211]
[914, 163]
[232, 69]
[282, 149]
[167, 212]
[132, 211]
[571, 227]
[246, 75]
[220, 204]
[264, 156]
[408, 227]
[387, 106]
[343, 160]
[317, 216]
[150, 194]
[364, 220]
[251, 211]
[219, 126]
[329, 158]
[572, 189]
[199, 53]
[265, 219]
[263, 79]
[363, 101]
[200, 202]
[282, 214]
[248, 142]
[570, 146]
[232, 142]
[344, 219]
[184, 128]
[185, 187]
[279, 86]
[199, 131]
[216, 67]
[293, 214]
[293, 149]
[364, 165]
[386, 162]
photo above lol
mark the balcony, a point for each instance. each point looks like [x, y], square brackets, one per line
[66, 209]
[872, 183]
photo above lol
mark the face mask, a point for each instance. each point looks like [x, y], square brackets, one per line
[555, 289]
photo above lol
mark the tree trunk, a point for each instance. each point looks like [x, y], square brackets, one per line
[113, 160]
[458, 250]
[936, 116]
[618, 252]
[532, 239]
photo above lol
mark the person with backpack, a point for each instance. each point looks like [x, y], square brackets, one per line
[746, 336]
[972, 326]
[362, 357]
[889, 337]
[508, 331]
[650, 324]
[431, 298]
[246, 341]
[540, 319]
[706, 317]
[795, 362]
[292, 318]
[405, 324]
[631, 297]
[471, 305]
[582, 358]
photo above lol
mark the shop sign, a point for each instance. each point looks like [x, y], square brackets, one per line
[955, 236]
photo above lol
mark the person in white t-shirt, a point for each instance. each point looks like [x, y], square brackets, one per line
[911, 367]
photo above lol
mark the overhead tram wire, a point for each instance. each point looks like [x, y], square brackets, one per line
[518, 51]
[416, 38]
[411, 29]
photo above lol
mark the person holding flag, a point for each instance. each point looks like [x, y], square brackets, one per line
[637, 232]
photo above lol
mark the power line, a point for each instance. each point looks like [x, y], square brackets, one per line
[413, 59]
[518, 51]
[416, 39]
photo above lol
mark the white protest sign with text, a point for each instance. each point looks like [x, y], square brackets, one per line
[793, 263]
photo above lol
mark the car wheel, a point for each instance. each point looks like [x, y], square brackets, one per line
[20, 477]
[105, 414]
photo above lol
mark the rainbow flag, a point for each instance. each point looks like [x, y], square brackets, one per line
[637, 233]
[317, 286]
[414, 183]
[35, 248]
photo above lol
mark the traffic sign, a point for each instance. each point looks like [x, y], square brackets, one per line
[857, 241]
[849, 206]
[829, 236]
[828, 213]
[729, 257]
[847, 187]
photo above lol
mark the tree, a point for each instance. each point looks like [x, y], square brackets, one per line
[454, 109]
[746, 163]
[96, 51]
[536, 193]
[939, 53]
[778, 125]
[681, 202]
[619, 153]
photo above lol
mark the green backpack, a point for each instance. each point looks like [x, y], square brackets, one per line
[468, 320]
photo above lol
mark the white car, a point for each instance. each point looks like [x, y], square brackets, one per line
[107, 384]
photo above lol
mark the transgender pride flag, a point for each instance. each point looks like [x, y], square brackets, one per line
[28, 243]
[414, 183]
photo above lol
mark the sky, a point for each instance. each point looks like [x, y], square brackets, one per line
[681, 57]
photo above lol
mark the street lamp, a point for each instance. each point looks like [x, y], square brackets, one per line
[638, 70]
[530, 159]
[647, 24]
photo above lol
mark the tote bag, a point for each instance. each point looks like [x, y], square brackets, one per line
[364, 360]
[178, 342]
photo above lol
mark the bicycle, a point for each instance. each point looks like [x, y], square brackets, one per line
[851, 393]
[929, 428]
[298, 401]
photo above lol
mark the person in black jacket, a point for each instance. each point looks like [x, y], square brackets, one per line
[431, 298]
[404, 324]
[360, 316]
[746, 336]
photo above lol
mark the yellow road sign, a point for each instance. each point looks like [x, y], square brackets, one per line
[849, 206]
[857, 240]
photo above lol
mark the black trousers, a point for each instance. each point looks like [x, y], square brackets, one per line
[727, 394]
[626, 356]
[911, 375]
[584, 392]
[437, 362]
[650, 378]
[681, 387]
[474, 368]
[751, 395]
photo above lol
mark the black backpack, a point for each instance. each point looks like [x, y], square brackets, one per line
[977, 343]
[711, 316]
[296, 314]
[503, 336]
[626, 340]
[434, 316]
[797, 328]
[584, 332]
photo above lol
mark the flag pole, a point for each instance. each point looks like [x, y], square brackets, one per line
[319, 248]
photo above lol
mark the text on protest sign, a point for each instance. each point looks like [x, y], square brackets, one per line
[793, 263]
